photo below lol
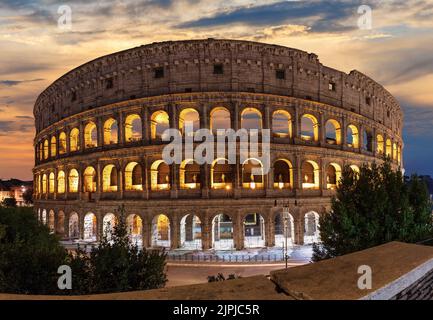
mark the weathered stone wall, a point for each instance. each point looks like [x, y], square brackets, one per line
[419, 290]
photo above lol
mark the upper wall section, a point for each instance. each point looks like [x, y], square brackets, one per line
[213, 65]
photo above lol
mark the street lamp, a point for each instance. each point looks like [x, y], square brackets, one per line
[286, 219]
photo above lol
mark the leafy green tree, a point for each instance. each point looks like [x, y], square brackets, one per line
[9, 202]
[116, 264]
[29, 254]
[28, 196]
[372, 208]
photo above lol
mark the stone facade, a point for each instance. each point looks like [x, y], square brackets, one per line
[202, 76]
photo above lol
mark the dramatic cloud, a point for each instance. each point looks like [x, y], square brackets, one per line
[11, 83]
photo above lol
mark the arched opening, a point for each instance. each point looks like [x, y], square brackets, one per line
[219, 119]
[90, 135]
[73, 180]
[133, 128]
[309, 128]
[133, 177]
[46, 149]
[44, 183]
[160, 176]
[61, 182]
[333, 132]
[311, 228]
[252, 174]
[281, 124]
[74, 228]
[111, 132]
[221, 174]
[388, 148]
[355, 169]
[44, 217]
[254, 231]
[251, 119]
[189, 118]
[41, 151]
[352, 136]
[190, 232]
[333, 175]
[158, 124]
[310, 175]
[51, 184]
[380, 148]
[90, 227]
[222, 232]
[134, 224]
[108, 223]
[53, 146]
[394, 151]
[60, 225]
[90, 179]
[280, 231]
[51, 221]
[74, 140]
[161, 231]
[399, 154]
[367, 141]
[189, 175]
[109, 178]
[283, 174]
[62, 143]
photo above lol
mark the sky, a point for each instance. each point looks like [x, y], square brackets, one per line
[38, 45]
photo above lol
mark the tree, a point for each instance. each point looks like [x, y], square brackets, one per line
[117, 264]
[28, 196]
[372, 208]
[9, 202]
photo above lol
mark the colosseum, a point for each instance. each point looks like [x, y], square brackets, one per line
[98, 143]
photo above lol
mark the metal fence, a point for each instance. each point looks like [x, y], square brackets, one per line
[225, 258]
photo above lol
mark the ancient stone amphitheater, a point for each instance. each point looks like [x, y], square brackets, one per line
[98, 143]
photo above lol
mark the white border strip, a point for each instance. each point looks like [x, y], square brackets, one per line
[398, 285]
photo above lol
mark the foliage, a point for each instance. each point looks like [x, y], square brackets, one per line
[116, 264]
[29, 254]
[9, 202]
[372, 208]
[28, 196]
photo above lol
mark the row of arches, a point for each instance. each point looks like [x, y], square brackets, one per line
[222, 176]
[191, 229]
[220, 118]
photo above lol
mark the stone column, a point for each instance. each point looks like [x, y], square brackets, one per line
[323, 181]
[205, 180]
[81, 224]
[343, 133]
[174, 232]
[121, 128]
[297, 173]
[299, 226]
[174, 170]
[146, 232]
[120, 181]
[98, 180]
[270, 231]
[238, 231]
[322, 133]
[100, 132]
[99, 226]
[145, 125]
[206, 233]
[68, 141]
[82, 146]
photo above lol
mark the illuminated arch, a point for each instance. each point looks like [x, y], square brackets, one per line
[399, 154]
[61, 182]
[108, 223]
[44, 217]
[51, 185]
[283, 174]
[282, 124]
[394, 151]
[250, 178]
[74, 140]
[354, 168]
[380, 148]
[309, 128]
[51, 221]
[53, 145]
[220, 119]
[133, 176]
[251, 118]
[60, 223]
[280, 232]
[161, 231]
[111, 132]
[254, 231]
[133, 128]
[89, 180]
[109, 178]
[367, 140]
[333, 175]
[352, 136]
[90, 227]
[74, 228]
[311, 228]
[62, 143]
[221, 174]
[46, 150]
[90, 135]
[73, 180]
[158, 124]
[310, 175]
[388, 148]
[190, 232]
[160, 176]
[222, 232]
[333, 132]
[44, 183]
[191, 117]
[189, 175]
[134, 224]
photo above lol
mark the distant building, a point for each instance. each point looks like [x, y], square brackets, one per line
[14, 188]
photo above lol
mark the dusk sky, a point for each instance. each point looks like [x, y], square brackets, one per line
[397, 51]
